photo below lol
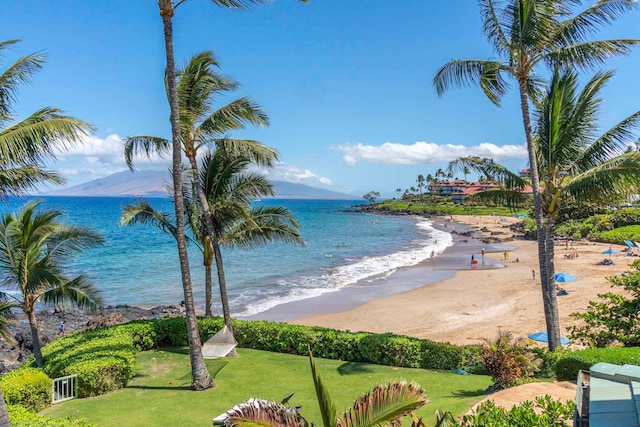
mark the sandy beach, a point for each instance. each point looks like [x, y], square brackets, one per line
[476, 303]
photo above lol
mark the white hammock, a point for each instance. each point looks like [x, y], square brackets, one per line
[219, 345]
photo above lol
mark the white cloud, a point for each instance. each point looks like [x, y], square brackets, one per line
[297, 175]
[97, 157]
[421, 152]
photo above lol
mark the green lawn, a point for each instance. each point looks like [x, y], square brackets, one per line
[160, 395]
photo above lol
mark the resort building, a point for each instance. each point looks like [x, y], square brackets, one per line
[460, 189]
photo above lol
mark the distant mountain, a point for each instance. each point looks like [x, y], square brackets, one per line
[155, 184]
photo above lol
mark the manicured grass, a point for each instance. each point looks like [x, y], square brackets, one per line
[160, 394]
[440, 208]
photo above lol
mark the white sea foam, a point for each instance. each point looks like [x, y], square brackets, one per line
[356, 270]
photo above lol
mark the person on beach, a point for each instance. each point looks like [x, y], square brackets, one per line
[482, 252]
[61, 327]
[533, 274]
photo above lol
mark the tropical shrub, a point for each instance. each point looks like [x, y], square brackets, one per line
[571, 363]
[620, 234]
[614, 319]
[22, 417]
[103, 359]
[29, 387]
[543, 412]
[508, 359]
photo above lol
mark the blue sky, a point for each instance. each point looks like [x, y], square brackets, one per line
[346, 83]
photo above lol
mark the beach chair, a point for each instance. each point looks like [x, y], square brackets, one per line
[219, 345]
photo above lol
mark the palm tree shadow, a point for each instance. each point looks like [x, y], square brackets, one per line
[350, 368]
[470, 393]
[160, 387]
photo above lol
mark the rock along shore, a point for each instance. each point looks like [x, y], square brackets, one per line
[11, 357]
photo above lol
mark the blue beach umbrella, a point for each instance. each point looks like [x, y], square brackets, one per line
[543, 337]
[610, 251]
[564, 277]
[630, 244]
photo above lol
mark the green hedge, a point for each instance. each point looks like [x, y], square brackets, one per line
[571, 362]
[29, 387]
[103, 359]
[21, 417]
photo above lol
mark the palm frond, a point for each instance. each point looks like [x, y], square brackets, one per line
[141, 212]
[145, 145]
[487, 167]
[253, 151]
[19, 180]
[6, 318]
[327, 410]
[18, 73]
[234, 115]
[590, 54]
[601, 13]
[465, 72]
[78, 291]
[36, 137]
[263, 413]
[383, 405]
[261, 226]
[612, 179]
[493, 27]
[612, 142]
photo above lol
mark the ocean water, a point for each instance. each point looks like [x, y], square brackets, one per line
[138, 265]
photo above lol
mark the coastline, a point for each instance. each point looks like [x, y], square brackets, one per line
[475, 304]
[429, 271]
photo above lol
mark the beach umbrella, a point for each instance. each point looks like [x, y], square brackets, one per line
[564, 277]
[610, 251]
[543, 337]
[630, 244]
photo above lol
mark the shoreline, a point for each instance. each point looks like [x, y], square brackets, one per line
[443, 266]
[475, 304]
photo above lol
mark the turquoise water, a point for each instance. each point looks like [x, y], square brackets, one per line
[138, 265]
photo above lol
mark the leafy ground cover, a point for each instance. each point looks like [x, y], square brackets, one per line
[160, 395]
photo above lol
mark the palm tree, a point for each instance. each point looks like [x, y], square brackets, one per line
[527, 34]
[201, 379]
[399, 192]
[230, 190]
[575, 164]
[383, 406]
[203, 125]
[465, 171]
[34, 246]
[420, 181]
[24, 145]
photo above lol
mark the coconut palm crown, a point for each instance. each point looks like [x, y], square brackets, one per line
[26, 144]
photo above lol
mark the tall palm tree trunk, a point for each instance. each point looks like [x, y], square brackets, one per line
[208, 294]
[548, 291]
[4, 415]
[224, 300]
[201, 380]
[223, 287]
[35, 339]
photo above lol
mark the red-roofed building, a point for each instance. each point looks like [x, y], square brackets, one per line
[459, 189]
